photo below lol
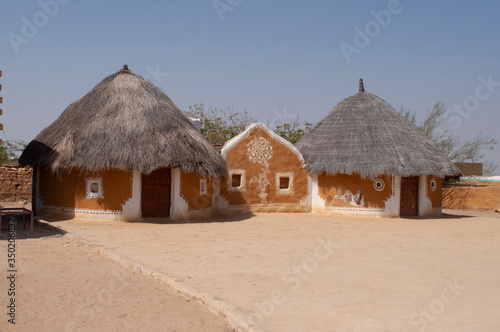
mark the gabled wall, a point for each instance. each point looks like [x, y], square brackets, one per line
[261, 158]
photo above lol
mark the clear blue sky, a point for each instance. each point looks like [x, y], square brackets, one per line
[266, 57]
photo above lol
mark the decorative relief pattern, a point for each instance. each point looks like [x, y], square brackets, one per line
[349, 198]
[433, 184]
[378, 184]
[354, 209]
[260, 151]
[83, 211]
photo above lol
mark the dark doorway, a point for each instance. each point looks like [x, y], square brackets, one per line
[409, 197]
[155, 202]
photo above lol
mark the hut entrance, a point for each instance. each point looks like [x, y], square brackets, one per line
[409, 197]
[155, 202]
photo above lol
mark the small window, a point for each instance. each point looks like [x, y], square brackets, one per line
[236, 180]
[284, 182]
[203, 186]
[93, 188]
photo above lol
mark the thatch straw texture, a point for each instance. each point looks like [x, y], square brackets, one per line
[127, 123]
[363, 134]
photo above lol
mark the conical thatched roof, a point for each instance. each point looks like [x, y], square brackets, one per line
[124, 122]
[363, 134]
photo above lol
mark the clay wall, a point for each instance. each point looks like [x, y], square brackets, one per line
[69, 189]
[261, 158]
[342, 190]
[190, 191]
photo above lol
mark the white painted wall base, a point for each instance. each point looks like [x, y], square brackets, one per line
[131, 209]
[392, 205]
[179, 209]
[317, 203]
[72, 213]
[424, 203]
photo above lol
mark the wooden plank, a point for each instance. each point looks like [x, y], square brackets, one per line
[409, 196]
[155, 200]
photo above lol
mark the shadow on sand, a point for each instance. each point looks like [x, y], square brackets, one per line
[213, 219]
[23, 231]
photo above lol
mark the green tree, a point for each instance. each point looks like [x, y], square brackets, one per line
[219, 125]
[459, 150]
[10, 150]
[293, 131]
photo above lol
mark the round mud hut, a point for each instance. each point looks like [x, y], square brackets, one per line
[365, 157]
[123, 151]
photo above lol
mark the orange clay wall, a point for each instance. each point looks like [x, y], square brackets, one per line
[68, 189]
[339, 185]
[436, 196]
[190, 191]
[282, 160]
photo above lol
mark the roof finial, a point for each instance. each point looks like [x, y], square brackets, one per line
[125, 67]
[361, 86]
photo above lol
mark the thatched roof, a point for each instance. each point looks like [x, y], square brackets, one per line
[363, 134]
[124, 122]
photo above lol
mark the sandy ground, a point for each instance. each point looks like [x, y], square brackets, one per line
[308, 272]
[475, 195]
[64, 285]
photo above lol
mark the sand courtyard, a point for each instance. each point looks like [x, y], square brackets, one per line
[310, 272]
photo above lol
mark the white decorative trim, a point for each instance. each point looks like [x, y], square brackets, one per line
[260, 151]
[179, 209]
[254, 126]
[392, 204]
[91, 195]
[85, 213]
[203, 186]
[132, 207]
[354, 209]
[243, 183]
[288, 191]
[317, 203]
[433, 184]
[378, 181]
[424, 203]
[259, 205]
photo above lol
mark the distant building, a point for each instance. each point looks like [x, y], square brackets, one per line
[470, 169]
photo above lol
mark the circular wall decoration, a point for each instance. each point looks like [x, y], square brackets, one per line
[378, 184]
[433, 184]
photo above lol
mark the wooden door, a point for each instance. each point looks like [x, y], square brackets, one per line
[155, 200]
[409, 196]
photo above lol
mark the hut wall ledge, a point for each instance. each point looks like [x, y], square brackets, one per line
[83, 213]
